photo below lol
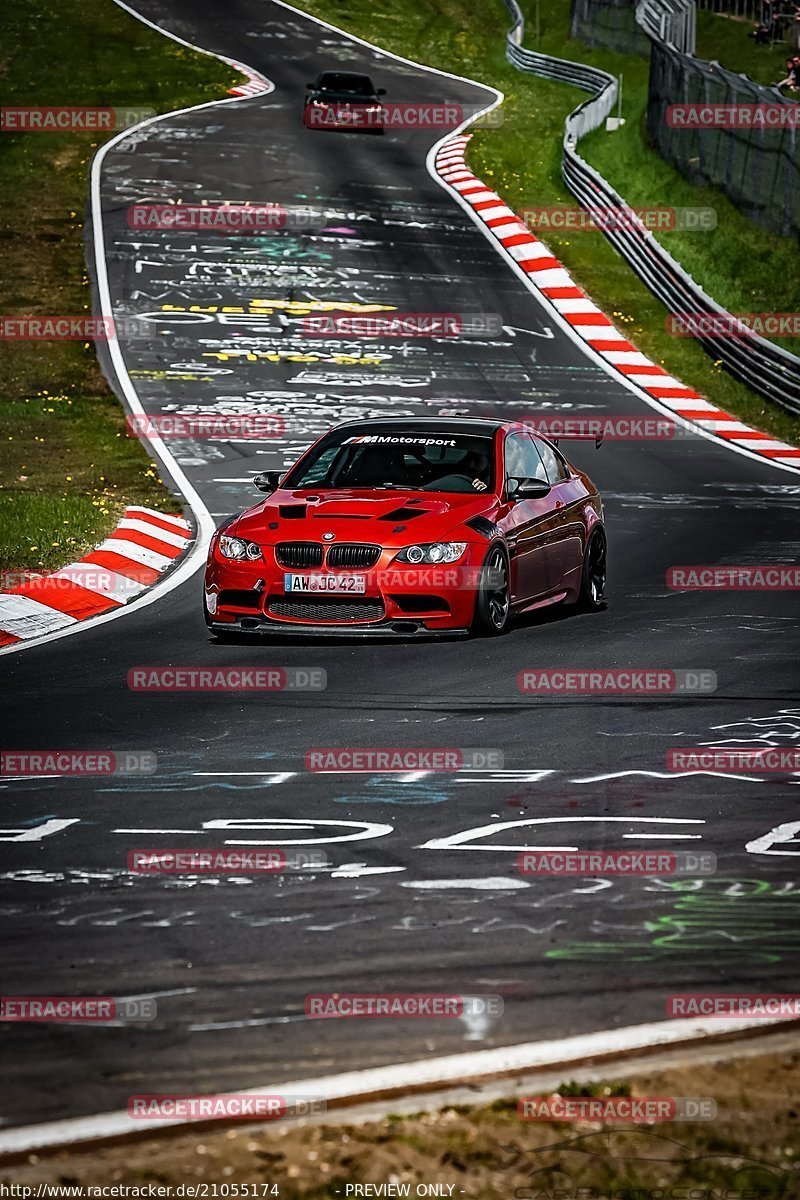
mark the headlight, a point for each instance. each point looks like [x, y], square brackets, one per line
[432, 552]
[238, 548]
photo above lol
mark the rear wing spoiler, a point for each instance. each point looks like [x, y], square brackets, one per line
[579, 437]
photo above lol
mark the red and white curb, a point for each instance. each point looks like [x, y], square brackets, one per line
[587, 321]
[141, 549]
[257, 85]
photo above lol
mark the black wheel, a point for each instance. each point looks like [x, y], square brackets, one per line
[493, 602]
[593, 580]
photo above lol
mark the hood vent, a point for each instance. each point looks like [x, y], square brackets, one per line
[404, 514]
[341, 516]
[483, 526]
[292, 512]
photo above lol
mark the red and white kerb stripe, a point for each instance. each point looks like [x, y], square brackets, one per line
[256, 84]
[586, 319]
[142, 547]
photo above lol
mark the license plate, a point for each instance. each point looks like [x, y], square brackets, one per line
[352, 584]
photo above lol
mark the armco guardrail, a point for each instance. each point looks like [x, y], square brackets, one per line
[670, 21]
[766, 368]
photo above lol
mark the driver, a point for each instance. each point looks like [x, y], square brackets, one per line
[476, 467]
[472, 470]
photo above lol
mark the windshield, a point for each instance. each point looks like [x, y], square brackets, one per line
[357, 85]
[423, 461]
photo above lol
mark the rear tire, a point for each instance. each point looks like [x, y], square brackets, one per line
[593, 578]
[493, 602]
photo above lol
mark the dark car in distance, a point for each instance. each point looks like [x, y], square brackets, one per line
[339, 100]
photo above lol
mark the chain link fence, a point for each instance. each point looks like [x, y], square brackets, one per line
[608, 23]
[753, 159]
[757, 166]
[750, 9]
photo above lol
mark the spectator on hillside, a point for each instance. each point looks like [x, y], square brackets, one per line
[768, 28]
[792, 80]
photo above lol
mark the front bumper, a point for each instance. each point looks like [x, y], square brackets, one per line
[337, 118]
[398, 600]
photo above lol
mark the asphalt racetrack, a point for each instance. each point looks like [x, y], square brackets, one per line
[402, 904]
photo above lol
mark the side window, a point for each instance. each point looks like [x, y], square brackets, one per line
[554, 464]
[522, 461]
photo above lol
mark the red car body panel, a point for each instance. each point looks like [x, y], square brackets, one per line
[545, 538]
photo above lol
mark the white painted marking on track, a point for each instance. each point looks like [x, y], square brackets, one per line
[35, 833]
[494, 883]
[668, 775]
[780, 835]
[457, 841]
[356, 870]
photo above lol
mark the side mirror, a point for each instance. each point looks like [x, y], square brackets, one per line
[267, 481]
[381, 92]
[527, 489]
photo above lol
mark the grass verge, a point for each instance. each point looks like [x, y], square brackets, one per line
[749, 1151]
[742, 266]
[67, 467]
[723, 39]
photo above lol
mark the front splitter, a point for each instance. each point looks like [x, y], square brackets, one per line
[399, 630]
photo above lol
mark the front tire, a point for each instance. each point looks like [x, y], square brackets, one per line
[593, 579]
[493, 602]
